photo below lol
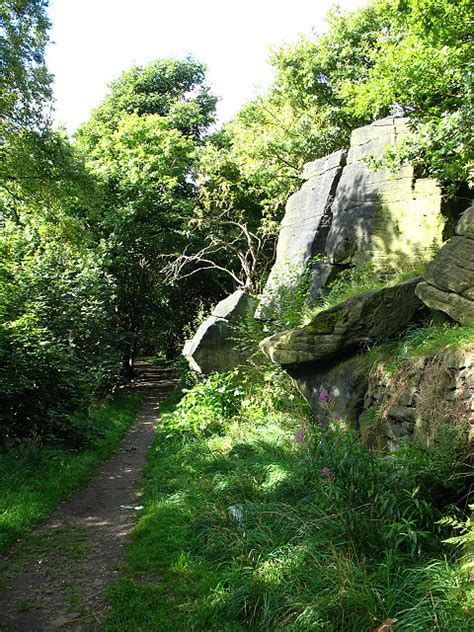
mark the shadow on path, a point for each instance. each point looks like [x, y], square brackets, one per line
[57, 579]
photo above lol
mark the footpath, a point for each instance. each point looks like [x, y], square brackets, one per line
[58, 578]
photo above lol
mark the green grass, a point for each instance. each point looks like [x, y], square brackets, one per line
[425, 339]
[355, 281]
[434, 336]
[35, 478]
[345, 552]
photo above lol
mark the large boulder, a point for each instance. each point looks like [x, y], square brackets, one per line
[214, 346]
[381, 216]
[358, 321]
[448, 283]
[305, 225]
[349, 213]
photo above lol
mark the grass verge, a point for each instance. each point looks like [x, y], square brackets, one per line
[249, 526]
[35, 478]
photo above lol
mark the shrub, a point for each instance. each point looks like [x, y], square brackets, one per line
[208, 404]
[58, 343]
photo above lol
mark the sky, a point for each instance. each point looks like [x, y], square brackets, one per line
[93, 41]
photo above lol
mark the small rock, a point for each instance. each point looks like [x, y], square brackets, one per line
[403, 413]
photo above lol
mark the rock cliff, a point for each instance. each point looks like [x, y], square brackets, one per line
[348, 213]
[448, 283]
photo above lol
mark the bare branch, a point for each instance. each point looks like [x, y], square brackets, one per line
[245, 246]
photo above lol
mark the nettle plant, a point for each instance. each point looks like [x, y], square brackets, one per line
[208, 404]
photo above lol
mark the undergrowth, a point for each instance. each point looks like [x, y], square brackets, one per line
[432, 335]
[34, 477]
[256, 520]
[354, 281]
[290, 304]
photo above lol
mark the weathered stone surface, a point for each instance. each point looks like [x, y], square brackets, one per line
[351, 214]
[448, 283]
[452, 269]
[213, 347]
[322, 274]
[346, 382]
[457, 307]
[305, 225]
[465, 225]
[424, 392]
[380, 216]
[357, 321]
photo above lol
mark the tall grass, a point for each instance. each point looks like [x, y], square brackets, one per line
[357, 280]
[260, 522]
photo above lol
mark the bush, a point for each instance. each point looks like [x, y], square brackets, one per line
[58, 343]
[208, 404]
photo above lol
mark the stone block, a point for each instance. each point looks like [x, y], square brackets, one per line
[358, 321]
[304, 227]
[380, 216]
[215, 346]
[448, 284]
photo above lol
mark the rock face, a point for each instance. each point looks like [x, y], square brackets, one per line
[380, 216]
[347, 213]
[213, 347]
[427, 390]
[346, 327]
[448, 283]
[346, 381]
[305, 225]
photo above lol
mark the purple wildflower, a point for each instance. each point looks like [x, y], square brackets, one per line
[336, 416]
[326, 471]
[325, 395]
[299, 435]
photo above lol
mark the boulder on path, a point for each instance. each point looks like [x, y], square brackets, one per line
[348, 326]
[448, 283]
[214, 346]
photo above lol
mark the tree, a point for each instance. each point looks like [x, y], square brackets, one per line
[59, 335]
[411, 57]
[170, 88]
[25, 89]
[141, 144]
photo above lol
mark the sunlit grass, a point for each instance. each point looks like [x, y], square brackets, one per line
[289, 564]
[356, 281]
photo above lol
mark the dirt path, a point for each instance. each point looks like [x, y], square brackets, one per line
[57, 581]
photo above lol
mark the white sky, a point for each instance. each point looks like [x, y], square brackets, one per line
[95, 40]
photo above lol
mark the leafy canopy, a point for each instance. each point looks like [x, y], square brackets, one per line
[25, 86]
[142, 144]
